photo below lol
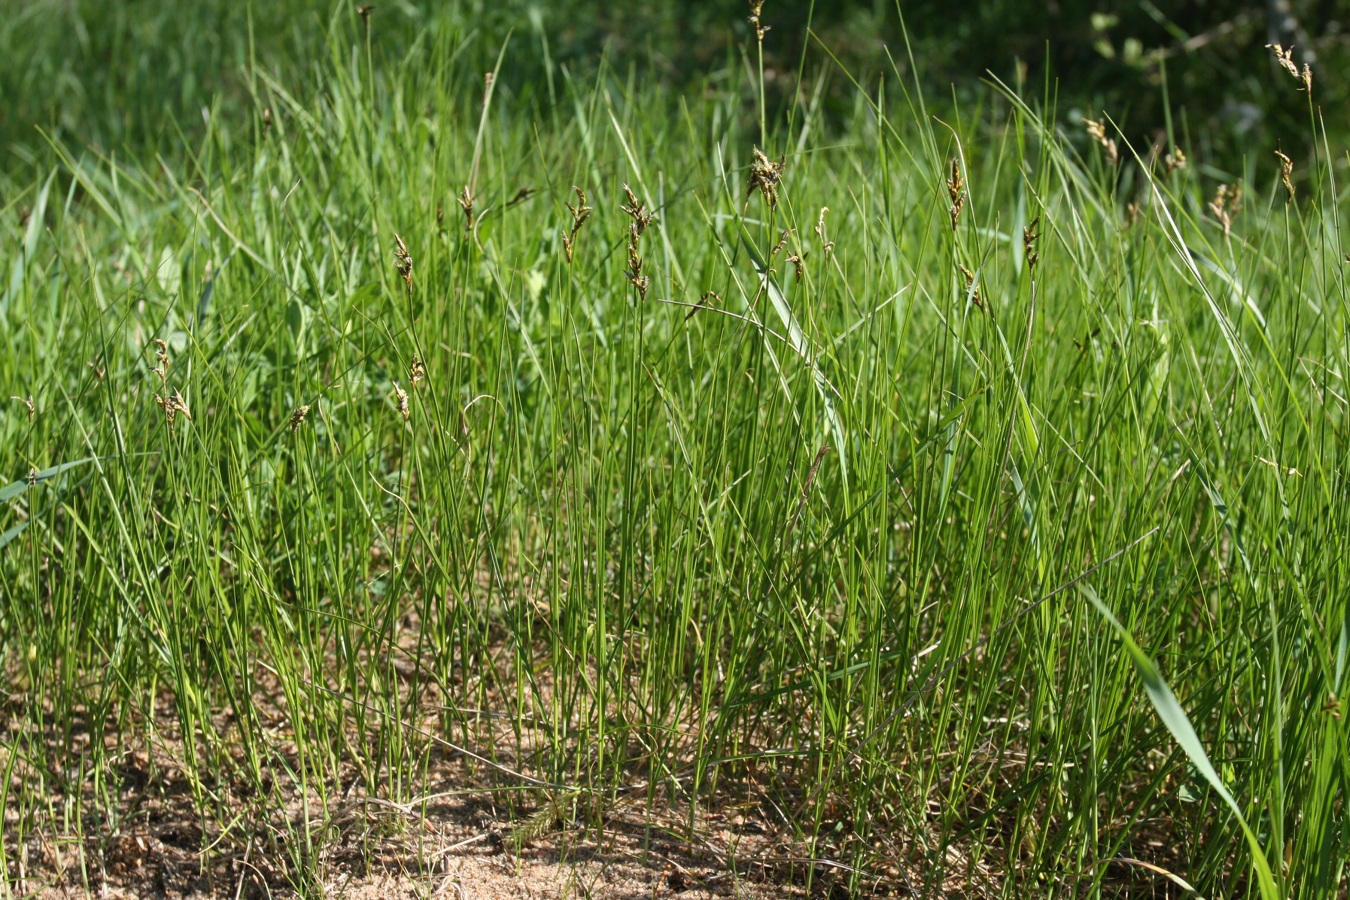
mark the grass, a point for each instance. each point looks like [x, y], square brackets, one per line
[996, 548]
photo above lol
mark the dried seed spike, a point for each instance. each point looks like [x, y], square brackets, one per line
[703, 302]
[298, 417]
[1225, 206]
[403, 262]
[798, 265]
[465, 201]
[32, 475]
[1285, 58]
[417, 372]
[180, 405]
[956, 190]
[401, 398]
[1097, 131]
[1030, 235]
[1175, 160]
[972, 289]
[782, 242]
[636, 210]
[820, 232]
[765, 175]
[32, 410]
[1307, 78]
[521, 196]
[1286, 173]
[580, 213]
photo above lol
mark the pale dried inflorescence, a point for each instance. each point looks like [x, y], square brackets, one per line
[765, 174]
[401, 399]
[32, 410]
[298, 417]
[756, 7]
[827, 245]
[1175, 160]
[1097, 131]
[956, 190]
[417, 372]
[1225, 206]
[465, 201]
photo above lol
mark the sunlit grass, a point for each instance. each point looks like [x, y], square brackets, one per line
[841, 514]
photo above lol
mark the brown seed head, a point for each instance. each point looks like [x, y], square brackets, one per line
[580, 213]
[1030, 235]
[1286, 173]
[401, 399]
[972, 289]
[765, 175]
[403, 261]
[298, 417]
[465, 201]
[956, 190]
[417, 372]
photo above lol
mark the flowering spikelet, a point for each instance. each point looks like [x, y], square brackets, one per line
[298, 417]
[1030, 235]
[580, 213]
[465, 201]
[1286, 173]
[1097, 131]
[636, 211]
[1285, 58]
[401, 399]
[820, 232]
[1225, 206]
[765, 174]
[956, 189]
[417, 372]
[972, 289]
[32, 410]
[403, 262]
[1175, 160]
[757, 6]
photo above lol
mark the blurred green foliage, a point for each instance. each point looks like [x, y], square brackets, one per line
[119, 75]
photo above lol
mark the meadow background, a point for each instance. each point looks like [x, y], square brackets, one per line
[914, 445]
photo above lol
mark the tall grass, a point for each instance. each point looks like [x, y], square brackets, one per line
[838, 531]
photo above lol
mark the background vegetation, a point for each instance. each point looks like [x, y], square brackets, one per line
[956, 487]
